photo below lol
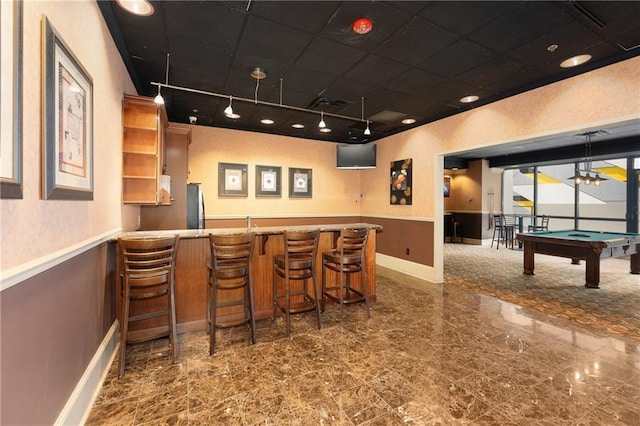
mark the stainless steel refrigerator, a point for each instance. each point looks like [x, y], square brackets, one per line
[195, 206]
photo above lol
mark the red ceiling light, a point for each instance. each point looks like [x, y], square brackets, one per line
[362, 25]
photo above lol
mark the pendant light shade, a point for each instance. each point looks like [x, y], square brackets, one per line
[598, 180]
[159, 100]
[322, 124]
[367, 131]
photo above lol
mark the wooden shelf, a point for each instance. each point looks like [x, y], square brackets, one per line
[143, 134]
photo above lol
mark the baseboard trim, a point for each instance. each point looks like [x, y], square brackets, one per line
[417, 270]
[78, 406]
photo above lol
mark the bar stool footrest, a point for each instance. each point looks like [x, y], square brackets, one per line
[299, 307]
[346, 300]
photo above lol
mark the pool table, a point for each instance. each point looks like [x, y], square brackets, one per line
[590, 246]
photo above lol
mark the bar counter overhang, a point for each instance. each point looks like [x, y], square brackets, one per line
[191, 273]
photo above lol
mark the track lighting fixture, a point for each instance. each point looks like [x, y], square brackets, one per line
[258, 74]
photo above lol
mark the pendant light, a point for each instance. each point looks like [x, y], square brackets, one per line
[367, 131]
[159, 100]
[588, 161]
[322, 124]
[228, 111]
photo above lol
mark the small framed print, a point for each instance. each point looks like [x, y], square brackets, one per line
[401, 182]
[268, 180]
[232, 180]
[300, 183]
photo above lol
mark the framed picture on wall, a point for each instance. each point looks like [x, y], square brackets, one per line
[446, 187]
[268, 181]
[11, 90]
[232, 180]
[67, 146]
[401, 182]
[300, 183]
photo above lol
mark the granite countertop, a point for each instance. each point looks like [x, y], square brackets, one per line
[257, 230]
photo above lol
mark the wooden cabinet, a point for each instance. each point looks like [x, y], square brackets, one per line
[176, 158]
[144, 128]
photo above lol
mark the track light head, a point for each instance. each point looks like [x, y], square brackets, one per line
[228, 111]
[159, 100]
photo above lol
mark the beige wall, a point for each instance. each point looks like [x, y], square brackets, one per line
[33, 228]
[603, 96]
[335, 192]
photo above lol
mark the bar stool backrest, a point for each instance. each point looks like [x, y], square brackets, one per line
[301, 245]
[148, 263]
[231, 254]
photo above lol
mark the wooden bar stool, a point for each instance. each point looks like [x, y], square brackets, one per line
[347, 259]
[298, 263]
[230, 270]
[147, 272]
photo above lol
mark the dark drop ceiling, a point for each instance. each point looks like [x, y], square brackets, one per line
[418, 61]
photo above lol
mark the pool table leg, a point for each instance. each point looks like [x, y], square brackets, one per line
[593, 271]
[635, 261]
[529, 263]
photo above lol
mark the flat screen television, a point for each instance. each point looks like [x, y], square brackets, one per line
[361, 156]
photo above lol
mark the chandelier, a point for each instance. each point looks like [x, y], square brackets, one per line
[590, 176]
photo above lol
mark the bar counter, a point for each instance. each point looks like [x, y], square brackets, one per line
[191, 272]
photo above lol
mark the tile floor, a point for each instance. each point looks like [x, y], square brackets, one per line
[429, 355]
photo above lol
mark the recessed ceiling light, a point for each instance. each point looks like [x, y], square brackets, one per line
[469, 99]
[266, 121]
[137, 7]
[297, 126]
[552, 47]
[575, 61]
[408, 121]
[233, 116]
[325, 130]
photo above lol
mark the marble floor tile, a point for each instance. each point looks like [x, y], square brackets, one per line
[488, 346]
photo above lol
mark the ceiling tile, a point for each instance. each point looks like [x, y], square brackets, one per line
[271, 41]
[520, 25]
[415, 42]
[414, 81]
[307, 16]
[375, 70]
[457, 58]
[463, 17]
[330, 57]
